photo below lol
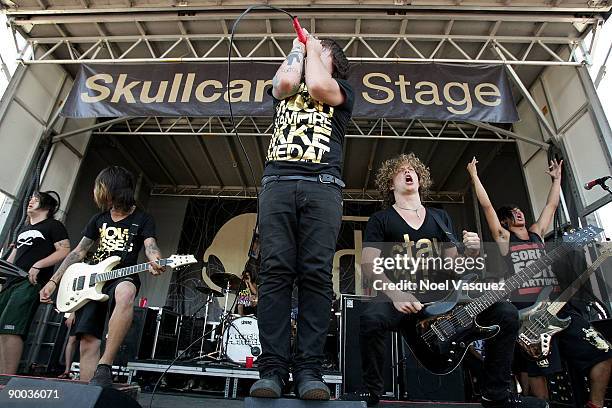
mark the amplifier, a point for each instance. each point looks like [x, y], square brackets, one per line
[350, 349]
[160, 335]
[192, 329]
[418, 384]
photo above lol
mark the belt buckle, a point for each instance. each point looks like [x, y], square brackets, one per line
[326, 178]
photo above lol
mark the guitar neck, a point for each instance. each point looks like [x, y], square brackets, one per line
[129, 270]
[480, 304]
[571, 290]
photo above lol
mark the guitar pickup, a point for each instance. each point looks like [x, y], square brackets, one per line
[92, 279]
[438, 333]
[81, 283]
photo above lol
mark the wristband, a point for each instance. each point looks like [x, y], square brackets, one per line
[35, 267]
[51, 280]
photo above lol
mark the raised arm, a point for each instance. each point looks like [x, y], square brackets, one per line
[499, 233]
[288, 77]
[552, 202]
[321, 86]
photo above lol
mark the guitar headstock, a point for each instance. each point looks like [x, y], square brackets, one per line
[605, 249]
[582, 236]
[175, 261]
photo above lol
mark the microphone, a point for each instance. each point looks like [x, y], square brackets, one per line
[597, 182]
[298, 30]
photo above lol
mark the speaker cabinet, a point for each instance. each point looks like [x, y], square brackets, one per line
[22, 392]
[418, 384]
[350, 348]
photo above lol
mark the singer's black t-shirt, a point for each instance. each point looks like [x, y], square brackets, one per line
[308, 135]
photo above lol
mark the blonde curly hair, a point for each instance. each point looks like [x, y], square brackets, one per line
[389, 169]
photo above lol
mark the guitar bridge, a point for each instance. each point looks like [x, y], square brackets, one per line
[545, 339]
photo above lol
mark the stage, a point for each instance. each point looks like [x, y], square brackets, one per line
[175, 400]
[232, 373]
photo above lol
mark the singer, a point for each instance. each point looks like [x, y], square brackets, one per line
[300, 211]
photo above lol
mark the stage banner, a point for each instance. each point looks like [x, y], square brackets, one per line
[394, 91]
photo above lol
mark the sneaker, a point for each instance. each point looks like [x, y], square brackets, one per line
[309, 386]
[103, 377]
[269, 386]
[515, 401]
[369, 398]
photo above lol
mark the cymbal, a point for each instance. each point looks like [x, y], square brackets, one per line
[221, 279]
[207, 291]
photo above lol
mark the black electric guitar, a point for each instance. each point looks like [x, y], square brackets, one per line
[444, 330]
[540, 322]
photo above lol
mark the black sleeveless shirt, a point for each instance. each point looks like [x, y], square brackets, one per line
[522, 253]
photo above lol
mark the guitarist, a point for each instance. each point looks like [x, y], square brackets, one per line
[401, 181]
[580, 344]
[122, 230]
[41, 244]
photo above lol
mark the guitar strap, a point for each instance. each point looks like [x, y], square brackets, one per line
[132, 232]
[445, 225]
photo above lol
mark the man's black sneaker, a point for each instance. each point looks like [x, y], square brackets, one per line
[269, 386]
[309, 386]
[368, 397]
[312, 390]
[103, 377]
[515, 401]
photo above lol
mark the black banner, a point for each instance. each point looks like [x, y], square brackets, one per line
[396, 91]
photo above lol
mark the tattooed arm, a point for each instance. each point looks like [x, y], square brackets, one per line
[76, 255]
[287, 80]
[153, 254]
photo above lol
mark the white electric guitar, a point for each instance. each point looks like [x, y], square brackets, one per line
[82, 282]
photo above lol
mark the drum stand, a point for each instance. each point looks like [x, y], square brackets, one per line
[220, 349]
[209, 299]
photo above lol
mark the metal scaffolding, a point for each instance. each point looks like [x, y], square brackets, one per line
[534, 40]
[250, 126]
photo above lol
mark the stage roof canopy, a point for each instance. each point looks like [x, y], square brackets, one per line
[526, 35]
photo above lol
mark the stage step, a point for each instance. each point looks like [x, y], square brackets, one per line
[298, 403]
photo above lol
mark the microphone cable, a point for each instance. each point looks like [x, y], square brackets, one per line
[228, 80]
[242, 147]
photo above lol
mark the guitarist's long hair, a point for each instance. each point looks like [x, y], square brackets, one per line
[114, 188]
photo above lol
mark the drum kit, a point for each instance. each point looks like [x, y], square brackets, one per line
[238, 337]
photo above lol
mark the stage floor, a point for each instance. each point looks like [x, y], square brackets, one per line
[175, 400]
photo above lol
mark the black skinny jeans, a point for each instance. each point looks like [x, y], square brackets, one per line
[299, 222]
[380, 316]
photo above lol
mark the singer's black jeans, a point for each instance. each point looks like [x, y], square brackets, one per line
[381, 316]
[299, 222]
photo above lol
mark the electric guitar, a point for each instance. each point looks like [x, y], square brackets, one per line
[540, 322]
[82, 282]
[444, 330]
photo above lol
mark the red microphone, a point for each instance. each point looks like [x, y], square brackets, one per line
[600, 181]
[298, 30]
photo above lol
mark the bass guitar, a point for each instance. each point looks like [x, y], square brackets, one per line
[540, 322]
[443, 331]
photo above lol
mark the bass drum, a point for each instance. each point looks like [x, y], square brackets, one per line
[241, 339]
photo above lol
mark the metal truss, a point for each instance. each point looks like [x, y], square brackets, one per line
[441, 197]
[249, 126]
[261, 43]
